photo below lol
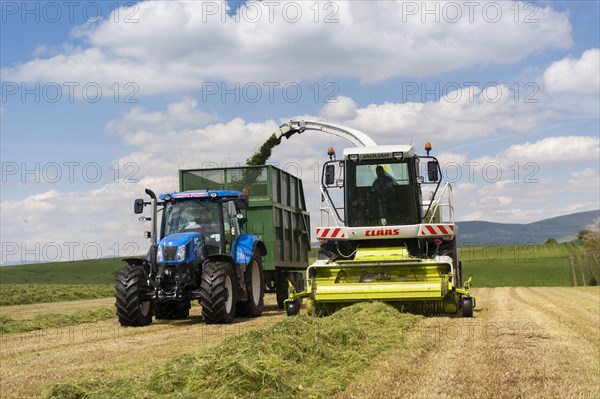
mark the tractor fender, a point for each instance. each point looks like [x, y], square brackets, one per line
[146, 266]
[245, 248]
[134, 261]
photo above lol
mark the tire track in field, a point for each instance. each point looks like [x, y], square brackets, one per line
[572, 317]
[33, 362]
[587, 296]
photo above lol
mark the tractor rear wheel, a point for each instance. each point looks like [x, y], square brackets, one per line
[218, 292]
[172, 310]
[132, 309]
[255, 287]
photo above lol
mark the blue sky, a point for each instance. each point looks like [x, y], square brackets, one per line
[100, 102]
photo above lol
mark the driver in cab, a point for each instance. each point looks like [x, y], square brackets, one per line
[198, 219]
[383, 180]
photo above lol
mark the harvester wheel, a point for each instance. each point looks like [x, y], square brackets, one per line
[132, 310]
[255, 287]
[218, 292]
[467, 307]
[172, 310]
[283, 287]
[292, 308]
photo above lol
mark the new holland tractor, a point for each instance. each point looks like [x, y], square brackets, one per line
[387, 230]
[199, 254]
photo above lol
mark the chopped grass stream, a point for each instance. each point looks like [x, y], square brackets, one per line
[300, 356]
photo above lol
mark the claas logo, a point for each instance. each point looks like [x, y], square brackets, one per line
[387, 232]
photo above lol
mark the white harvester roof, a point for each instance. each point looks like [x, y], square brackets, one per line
[380, 151]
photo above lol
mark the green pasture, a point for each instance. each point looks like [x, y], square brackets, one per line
[530, 265]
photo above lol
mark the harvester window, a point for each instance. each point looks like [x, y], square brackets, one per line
[380, 194]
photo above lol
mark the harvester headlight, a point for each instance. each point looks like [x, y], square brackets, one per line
[167, 197]
[180, 252]
[353, 157]
[159, 254]
[397, 156]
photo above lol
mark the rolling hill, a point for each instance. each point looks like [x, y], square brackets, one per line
[561, 228]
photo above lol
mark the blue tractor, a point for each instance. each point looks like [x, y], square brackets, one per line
[198, 253]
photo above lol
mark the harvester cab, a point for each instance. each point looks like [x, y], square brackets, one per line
[198, 252]
[387, 230]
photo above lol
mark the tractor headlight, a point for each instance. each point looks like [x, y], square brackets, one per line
[159, 254]
[180, 253]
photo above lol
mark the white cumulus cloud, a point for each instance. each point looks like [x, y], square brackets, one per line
[579, 76]
[178, 46]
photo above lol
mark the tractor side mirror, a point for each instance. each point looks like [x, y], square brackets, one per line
[432, 171]
[329, 175]
[138, 206]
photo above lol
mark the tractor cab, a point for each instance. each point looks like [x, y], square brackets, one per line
[208, 221]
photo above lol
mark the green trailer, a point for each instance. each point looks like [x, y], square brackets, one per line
[276, 214]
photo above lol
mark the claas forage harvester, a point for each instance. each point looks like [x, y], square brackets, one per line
[381, 236]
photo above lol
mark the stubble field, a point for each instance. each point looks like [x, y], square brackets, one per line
[522, 342]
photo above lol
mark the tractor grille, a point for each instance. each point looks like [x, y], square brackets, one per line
[170, 253]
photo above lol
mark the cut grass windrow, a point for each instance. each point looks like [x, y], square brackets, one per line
[299, 357]
[25, 294]
[51, 320]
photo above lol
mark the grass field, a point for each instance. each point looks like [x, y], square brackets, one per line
[491, 266]
[545, 265]
[23, 294]
[97, 271]
[523, 342]
[57, 282]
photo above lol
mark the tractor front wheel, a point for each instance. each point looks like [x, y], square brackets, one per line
[132, 308]
[218, 292]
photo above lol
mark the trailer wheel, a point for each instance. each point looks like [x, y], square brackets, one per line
[172, 310]
[281, 291]
[467, 307]
[218, 292]
[255, 287]
[132, 309]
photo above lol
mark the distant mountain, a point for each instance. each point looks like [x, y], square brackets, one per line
[561, 228]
